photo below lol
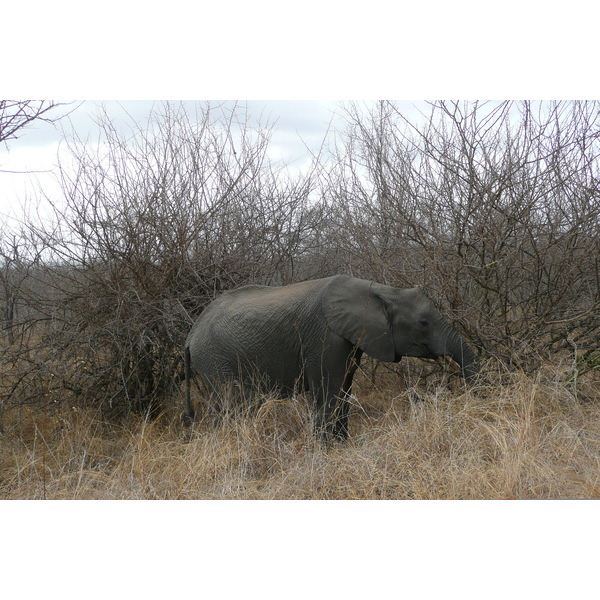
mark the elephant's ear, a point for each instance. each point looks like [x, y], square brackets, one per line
[355, 311]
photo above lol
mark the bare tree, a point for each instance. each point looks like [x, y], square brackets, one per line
[152, 224]
[494, 208]
[17, 115]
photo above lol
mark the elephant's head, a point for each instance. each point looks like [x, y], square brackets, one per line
[388, 323]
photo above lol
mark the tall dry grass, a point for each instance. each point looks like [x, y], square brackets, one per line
[516, 436]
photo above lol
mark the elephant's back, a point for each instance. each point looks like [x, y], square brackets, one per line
[255, 299]
[249, 322]
[228, 305]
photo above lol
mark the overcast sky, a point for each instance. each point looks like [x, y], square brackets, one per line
[30, 161]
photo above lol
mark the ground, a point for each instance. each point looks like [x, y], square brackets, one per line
[514, 435]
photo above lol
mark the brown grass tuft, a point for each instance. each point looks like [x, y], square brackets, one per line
[516, 436]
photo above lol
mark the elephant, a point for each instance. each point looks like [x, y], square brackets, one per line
[310, 337]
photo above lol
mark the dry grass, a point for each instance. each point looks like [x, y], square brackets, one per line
[518, 436]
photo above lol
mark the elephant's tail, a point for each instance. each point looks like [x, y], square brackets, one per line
[189, 411]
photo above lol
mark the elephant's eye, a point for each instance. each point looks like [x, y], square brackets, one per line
[424, 322]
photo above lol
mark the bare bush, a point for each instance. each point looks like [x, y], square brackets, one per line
[17, 115]
[495, 210]
[153, 224]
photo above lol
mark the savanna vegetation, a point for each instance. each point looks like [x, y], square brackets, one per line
[493, 208]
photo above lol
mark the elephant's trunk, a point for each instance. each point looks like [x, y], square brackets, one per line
[460, 352]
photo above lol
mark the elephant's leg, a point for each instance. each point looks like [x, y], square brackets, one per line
[322, 387]
[219, 399]
[340, 424]
[331, 387]
[325, 404]
[214, 405]
[332, 409]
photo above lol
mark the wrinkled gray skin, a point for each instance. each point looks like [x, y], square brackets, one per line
[310, 337]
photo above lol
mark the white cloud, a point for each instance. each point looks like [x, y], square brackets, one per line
[295, 124]
[299, 127]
